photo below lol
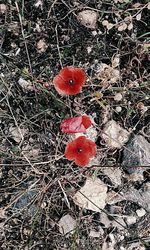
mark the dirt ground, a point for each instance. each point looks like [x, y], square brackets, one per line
[37, 182]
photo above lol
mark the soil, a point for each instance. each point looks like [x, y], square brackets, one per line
[35, 177]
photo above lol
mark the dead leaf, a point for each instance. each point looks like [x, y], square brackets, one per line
[88, 18]
[67, 224]
[17, 134]
[95, 191]
[114, 135]
[108, 74]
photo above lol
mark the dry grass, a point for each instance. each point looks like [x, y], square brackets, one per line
[36, 181]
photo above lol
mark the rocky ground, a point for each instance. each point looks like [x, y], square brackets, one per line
[46, 201]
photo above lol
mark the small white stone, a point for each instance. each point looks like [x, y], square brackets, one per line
[94, 32]
[140, 212]
[118, 97]
[43, 205]
[67, 224]
[122, 248]
[122, 237]
[131, 220]
[41, 46]
[94, 234]
[3, 8]
[114, 135]
[89, 49]
[118, 109]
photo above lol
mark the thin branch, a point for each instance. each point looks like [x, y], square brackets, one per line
[23, 35]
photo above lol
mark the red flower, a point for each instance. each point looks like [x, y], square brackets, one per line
[76, 124]
[81, 150]
[69, 81]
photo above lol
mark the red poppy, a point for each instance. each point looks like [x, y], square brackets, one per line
[76, 124]
[81, 150]
[69, 81]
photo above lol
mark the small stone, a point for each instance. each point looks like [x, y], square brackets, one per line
[88, 18]
[43, 205]
[95, 194]
[140, 105]
[67, 224]
[94, 32]
[41, 46]
[118, 109]
[39, 4]
[17, 133]
[89, 49]
[94, 234]
[26, 85]
[77, 108]
[3, 8]
[136, 153]
[131, 220]
[141, 212]
[118, 97]
[114, 135]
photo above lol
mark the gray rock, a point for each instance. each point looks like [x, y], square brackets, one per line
[136, 153]
[25, 203]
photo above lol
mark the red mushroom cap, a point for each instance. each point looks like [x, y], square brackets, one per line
[81, 150]
[69, 81]
[76, 124]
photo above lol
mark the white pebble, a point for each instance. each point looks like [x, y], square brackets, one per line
[118, 97]
[94, 32]
[118, 109]
[140, 212]
[131, 220]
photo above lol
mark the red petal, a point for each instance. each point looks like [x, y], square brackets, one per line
[61, 81]
[82, 158]
[82, 161]
[73, 125]
[70, 150]
[86, 121]
[92, 148]
[88, 146]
